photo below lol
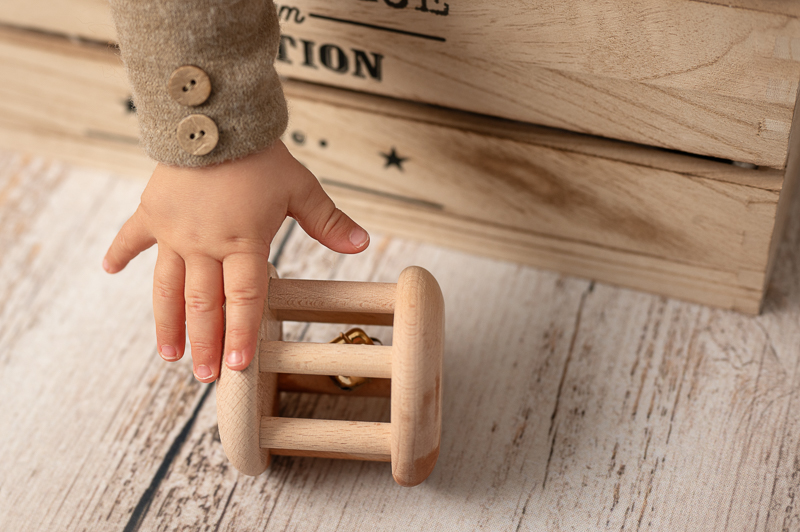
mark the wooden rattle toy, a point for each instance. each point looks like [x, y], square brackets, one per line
[247, 401]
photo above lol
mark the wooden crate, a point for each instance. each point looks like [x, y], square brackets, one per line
[690, 75]
[642, 217]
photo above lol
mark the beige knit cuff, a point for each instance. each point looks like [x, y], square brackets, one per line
[234, 42]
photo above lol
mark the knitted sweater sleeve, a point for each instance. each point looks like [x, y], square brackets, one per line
[233, 43]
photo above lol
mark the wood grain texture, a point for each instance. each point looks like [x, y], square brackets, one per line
[88, 408]
[465, 188]
[78, 19]
[631, 215]
[770, 6]
[569, 405]
[69, 101]
[695, 77]
[786, 201]
[417, 351]
[698, 77]
[305, 358]
[355, 439]
[333, 302]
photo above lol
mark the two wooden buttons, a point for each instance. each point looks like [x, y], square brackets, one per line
[197, 133]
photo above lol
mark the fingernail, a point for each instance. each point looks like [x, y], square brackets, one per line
[203, 372]
[359, 237]
[105, 264]
[235, 358]
[168, 352]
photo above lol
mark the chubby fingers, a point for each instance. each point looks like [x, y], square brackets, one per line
[204, 318]
[318, 216]
[246, 281]
[131, 240]
[168, 304]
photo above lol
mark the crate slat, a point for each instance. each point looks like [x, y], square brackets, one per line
[699, 77]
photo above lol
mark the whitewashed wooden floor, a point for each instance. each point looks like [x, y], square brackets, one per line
[567, 405]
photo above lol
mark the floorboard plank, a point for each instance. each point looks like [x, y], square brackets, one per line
[91, 408]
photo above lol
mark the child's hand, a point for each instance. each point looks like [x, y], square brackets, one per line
[214, 226]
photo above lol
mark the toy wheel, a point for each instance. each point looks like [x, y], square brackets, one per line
[417, 351]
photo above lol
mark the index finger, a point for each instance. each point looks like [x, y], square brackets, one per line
[246, 277]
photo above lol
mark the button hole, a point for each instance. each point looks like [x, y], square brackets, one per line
[191, 136]
[186, 89]
[202, 133]
[193, 82]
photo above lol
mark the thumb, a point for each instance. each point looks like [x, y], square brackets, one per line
[131, 240]
[319, 217]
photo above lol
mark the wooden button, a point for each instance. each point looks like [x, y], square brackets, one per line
[198, 134]
[189, 86]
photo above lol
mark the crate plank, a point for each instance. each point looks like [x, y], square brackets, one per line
[690, 76]
[468, 176]
[69, 101]
[698, 77]
[786, 7]
[84, 19]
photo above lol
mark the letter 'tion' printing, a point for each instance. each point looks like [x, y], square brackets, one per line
[334, 58]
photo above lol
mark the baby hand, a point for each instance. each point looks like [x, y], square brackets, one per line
[214, 226]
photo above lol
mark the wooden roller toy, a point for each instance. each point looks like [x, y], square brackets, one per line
[247, 401]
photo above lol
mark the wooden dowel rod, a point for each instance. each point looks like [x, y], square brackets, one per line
[323, 384]
[321, 436]
[332, 301]
[355, 360]
[339, 456]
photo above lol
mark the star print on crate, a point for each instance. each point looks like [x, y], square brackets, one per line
[392, 159]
